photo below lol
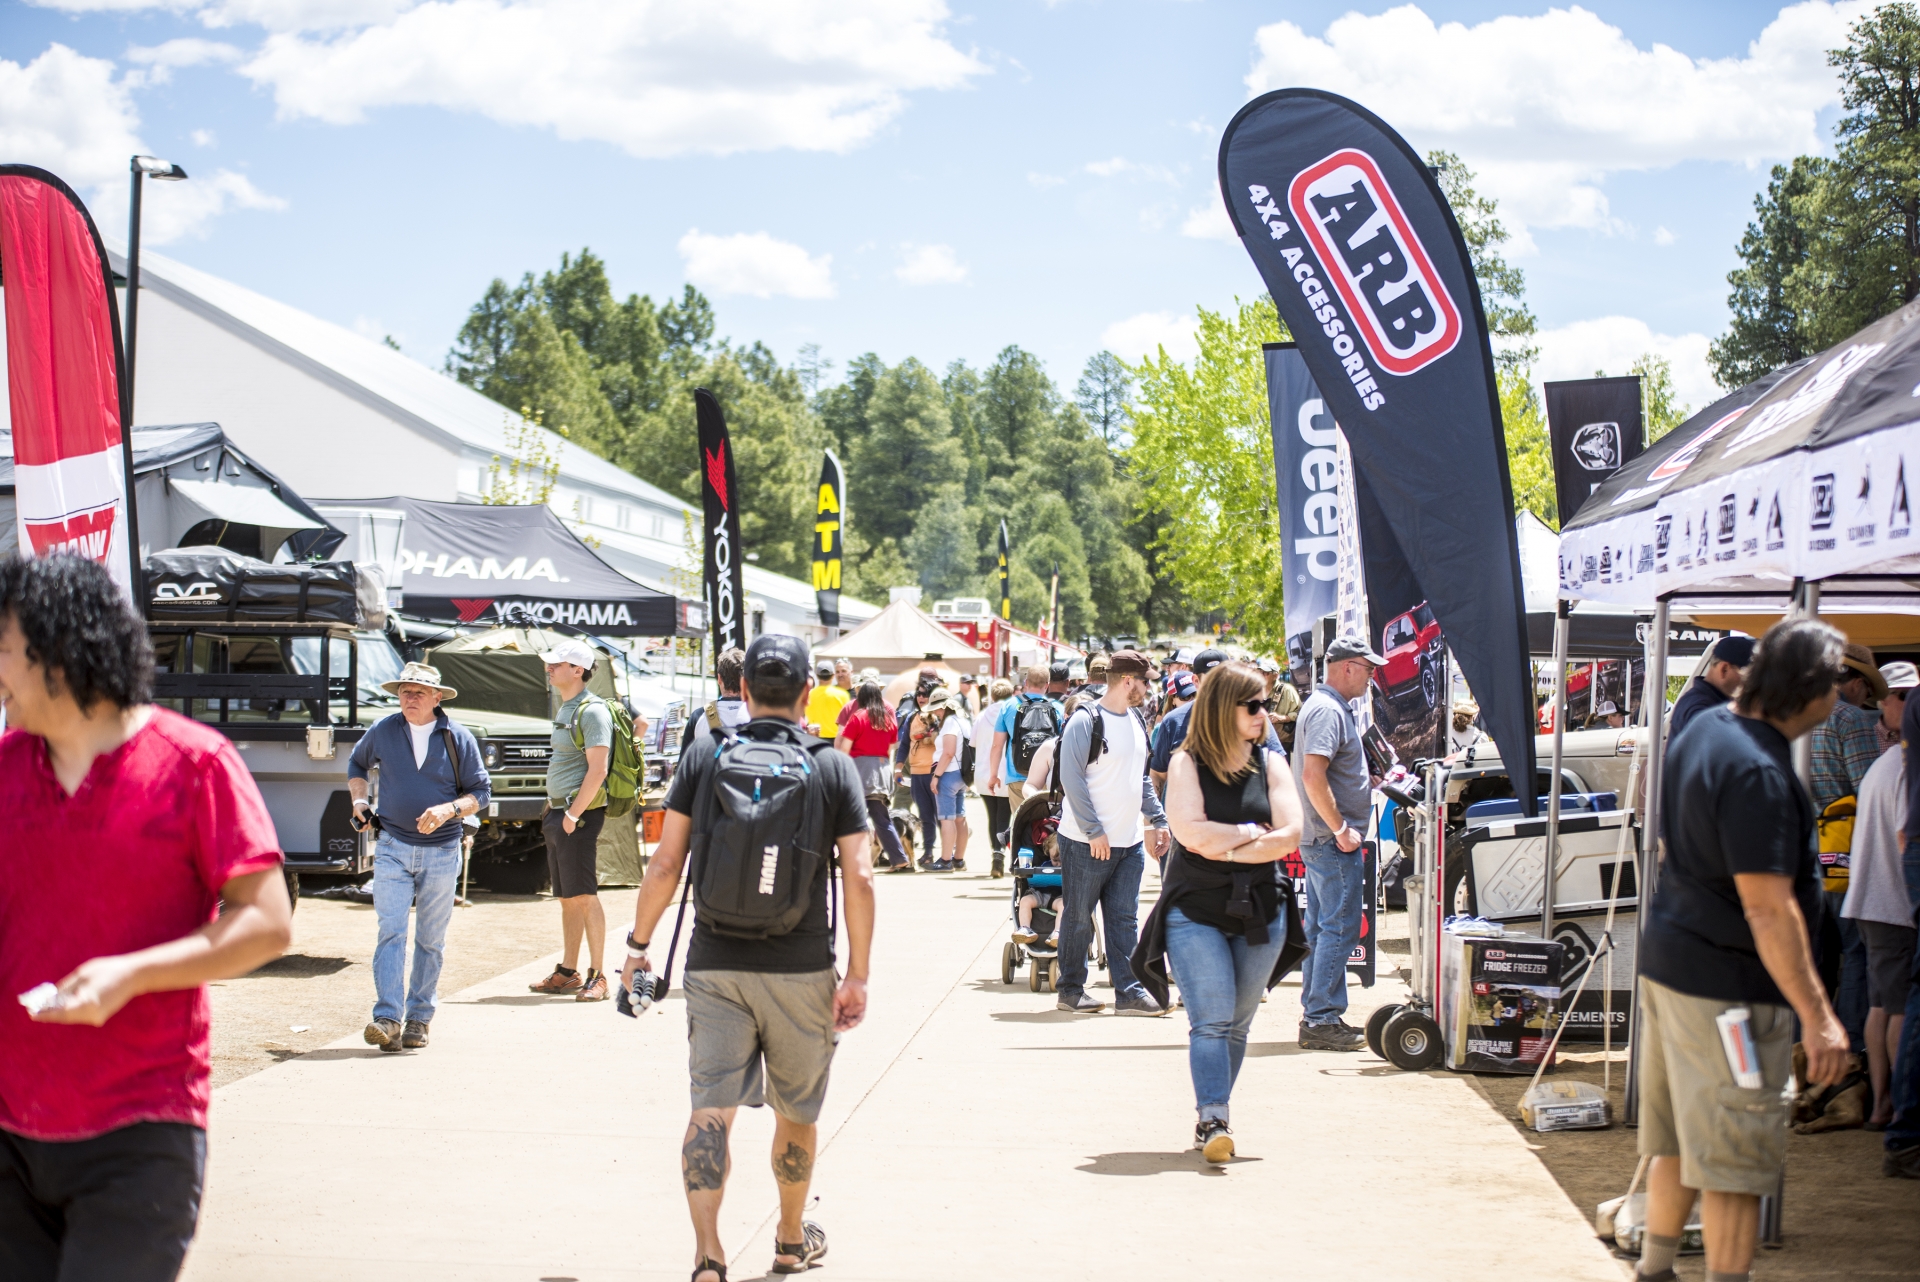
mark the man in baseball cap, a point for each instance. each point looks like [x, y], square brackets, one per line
[1717, 684]
[1172, 730]
[1337, 791]
[1900, 677]
[576, 811]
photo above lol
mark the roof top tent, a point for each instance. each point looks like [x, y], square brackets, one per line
[481, 564]
[195, 488]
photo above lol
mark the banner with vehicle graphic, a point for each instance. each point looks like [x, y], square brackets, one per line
[720, 496]
[65, 369]
[1596, 427]
[1367, 266]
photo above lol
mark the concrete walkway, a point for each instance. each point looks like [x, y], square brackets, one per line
[971, 1131]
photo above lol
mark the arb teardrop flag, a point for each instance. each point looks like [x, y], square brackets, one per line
[64, 371]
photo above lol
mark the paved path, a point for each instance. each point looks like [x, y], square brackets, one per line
[971, 1131]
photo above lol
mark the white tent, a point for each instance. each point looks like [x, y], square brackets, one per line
[899, 638]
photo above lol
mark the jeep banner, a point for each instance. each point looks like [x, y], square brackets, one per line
[829, 527]
[492, 565]
[1306, 473]
[1366, 264]
[720, 497]
[1596, 427]
[64, 375]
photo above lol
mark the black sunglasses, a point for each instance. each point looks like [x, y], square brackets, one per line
[1255, 705]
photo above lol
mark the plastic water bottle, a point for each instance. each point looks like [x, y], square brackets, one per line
[1023, 858]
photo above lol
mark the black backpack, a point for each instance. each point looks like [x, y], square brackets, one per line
[758, 819]
[1037, 722]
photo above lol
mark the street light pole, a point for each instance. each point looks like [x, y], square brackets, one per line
[162, 171]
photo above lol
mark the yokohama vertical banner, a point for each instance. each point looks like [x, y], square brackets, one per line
[1366, 264]
[1306, 473]
[720, 496]
[829, 524]
[1596, 426]
[64, 370]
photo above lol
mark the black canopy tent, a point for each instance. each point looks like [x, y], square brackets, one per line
[477, 563]
[195, 488]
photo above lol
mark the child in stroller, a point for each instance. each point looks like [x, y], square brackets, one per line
[1036, 893]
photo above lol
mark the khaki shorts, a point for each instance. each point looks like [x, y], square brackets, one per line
[1729, 1139]
[757, 1038]
[1017, 793]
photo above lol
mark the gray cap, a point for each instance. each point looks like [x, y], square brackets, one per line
[1352, 648]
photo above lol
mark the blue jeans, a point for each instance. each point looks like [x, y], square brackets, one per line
[1332, 924]
[1114, 884]
[1904, 1131]
[422, 878]
[1221, 979]
[929, 808]
[1850, 999]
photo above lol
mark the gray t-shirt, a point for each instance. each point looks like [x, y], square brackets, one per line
[1327, 729]
[567, 766]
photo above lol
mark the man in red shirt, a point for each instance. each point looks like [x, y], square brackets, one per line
[137, 863]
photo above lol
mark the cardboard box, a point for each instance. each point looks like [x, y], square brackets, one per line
[1499, 1001]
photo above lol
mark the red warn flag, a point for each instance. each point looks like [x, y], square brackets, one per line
[63, 374]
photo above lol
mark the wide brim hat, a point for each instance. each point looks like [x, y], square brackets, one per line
[1860, 659]
[420, 674]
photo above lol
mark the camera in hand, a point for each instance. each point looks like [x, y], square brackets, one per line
[648, 988]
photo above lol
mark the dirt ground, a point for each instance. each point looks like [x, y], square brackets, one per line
[323, 986]
[1838, 1205]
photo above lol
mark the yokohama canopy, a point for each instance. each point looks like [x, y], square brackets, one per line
[1801, 475]
[482, 564]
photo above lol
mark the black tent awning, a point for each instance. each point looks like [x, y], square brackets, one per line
[496, 565]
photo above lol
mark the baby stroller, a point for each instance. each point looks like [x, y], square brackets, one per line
[1036, 866]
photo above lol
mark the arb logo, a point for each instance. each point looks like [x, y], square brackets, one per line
[1399, 306]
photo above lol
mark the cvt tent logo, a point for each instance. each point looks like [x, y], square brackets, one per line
[1399, 305]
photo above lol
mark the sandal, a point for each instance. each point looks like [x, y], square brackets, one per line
[708, 1266]
[809, 1253]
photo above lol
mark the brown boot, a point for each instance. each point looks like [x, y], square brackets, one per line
[595, 989]
[561, 981]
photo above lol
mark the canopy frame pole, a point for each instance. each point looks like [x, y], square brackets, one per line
[1562, 627]
[1656, 706]
[1806, 604]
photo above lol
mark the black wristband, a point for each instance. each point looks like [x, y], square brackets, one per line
[636, 947]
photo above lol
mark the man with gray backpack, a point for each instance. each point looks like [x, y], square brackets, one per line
[759, 823]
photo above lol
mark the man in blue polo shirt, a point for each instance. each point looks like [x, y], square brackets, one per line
[1006, 732]
[431, 778]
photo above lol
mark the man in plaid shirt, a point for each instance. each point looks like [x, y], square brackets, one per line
[1845, 746]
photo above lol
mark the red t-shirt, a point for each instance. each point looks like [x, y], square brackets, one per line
[136, 857]
[861, 738]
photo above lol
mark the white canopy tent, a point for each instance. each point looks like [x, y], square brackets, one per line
[900, 637]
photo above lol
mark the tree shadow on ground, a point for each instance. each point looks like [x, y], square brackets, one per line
[1183, 1162]
[281, 1054]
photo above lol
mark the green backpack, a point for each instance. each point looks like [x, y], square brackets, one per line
[626, 761]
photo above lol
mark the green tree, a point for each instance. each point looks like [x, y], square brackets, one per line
[1529, 449]
[1503, 287]
[1765, 333]
[1660, 406]
[1102, 397]
[906, 456]
[1203, 453]
[1014, 409]
[1863, 253]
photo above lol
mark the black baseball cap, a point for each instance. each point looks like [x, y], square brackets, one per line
[1207, 660]
[1057, 672]
[1735, 650]
[774, 647]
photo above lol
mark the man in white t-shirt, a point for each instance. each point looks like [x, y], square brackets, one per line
[992, 792]
[1102, 855]
[949, 789]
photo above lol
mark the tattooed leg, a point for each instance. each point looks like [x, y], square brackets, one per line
[704, 1165]
[793, 1147]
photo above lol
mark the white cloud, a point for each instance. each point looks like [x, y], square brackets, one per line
[1141, 336]
[930, 265]
[274, 15]
[755, 263]
[1661, 236]
[1209, 222]
[1545, 107]
[189, 52]
[1612, 343]
[1045, 180]
[1121, 167]
[655, 80]
[204, 138]
[67, 113]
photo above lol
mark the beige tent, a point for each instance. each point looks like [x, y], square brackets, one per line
[899, 638]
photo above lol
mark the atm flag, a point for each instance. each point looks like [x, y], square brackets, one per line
[64, 372]
[829, 528]
[1368, 269]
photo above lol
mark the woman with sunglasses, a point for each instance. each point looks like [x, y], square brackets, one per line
[1225, 920]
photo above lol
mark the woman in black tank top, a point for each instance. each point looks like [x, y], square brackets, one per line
[1223, 908]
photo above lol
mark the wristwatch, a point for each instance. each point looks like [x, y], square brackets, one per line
[634, 950]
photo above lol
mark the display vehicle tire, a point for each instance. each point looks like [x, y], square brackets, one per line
[1411, 1041]
[293, 887]
[1377, 1027]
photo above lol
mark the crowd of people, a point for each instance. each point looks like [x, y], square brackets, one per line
[1783, 913]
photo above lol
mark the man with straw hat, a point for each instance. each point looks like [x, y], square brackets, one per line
[431, 778]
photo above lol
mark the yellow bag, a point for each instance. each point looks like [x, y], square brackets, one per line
[1836, 842]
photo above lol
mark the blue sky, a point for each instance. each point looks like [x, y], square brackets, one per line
[903, 177]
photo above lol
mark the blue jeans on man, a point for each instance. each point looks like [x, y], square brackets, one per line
[1114, 884]
[421, 879]
[1335, 882]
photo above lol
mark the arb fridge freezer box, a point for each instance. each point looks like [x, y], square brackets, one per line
[1499, 1001]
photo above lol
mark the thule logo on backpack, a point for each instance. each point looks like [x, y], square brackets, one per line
[769, 864]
